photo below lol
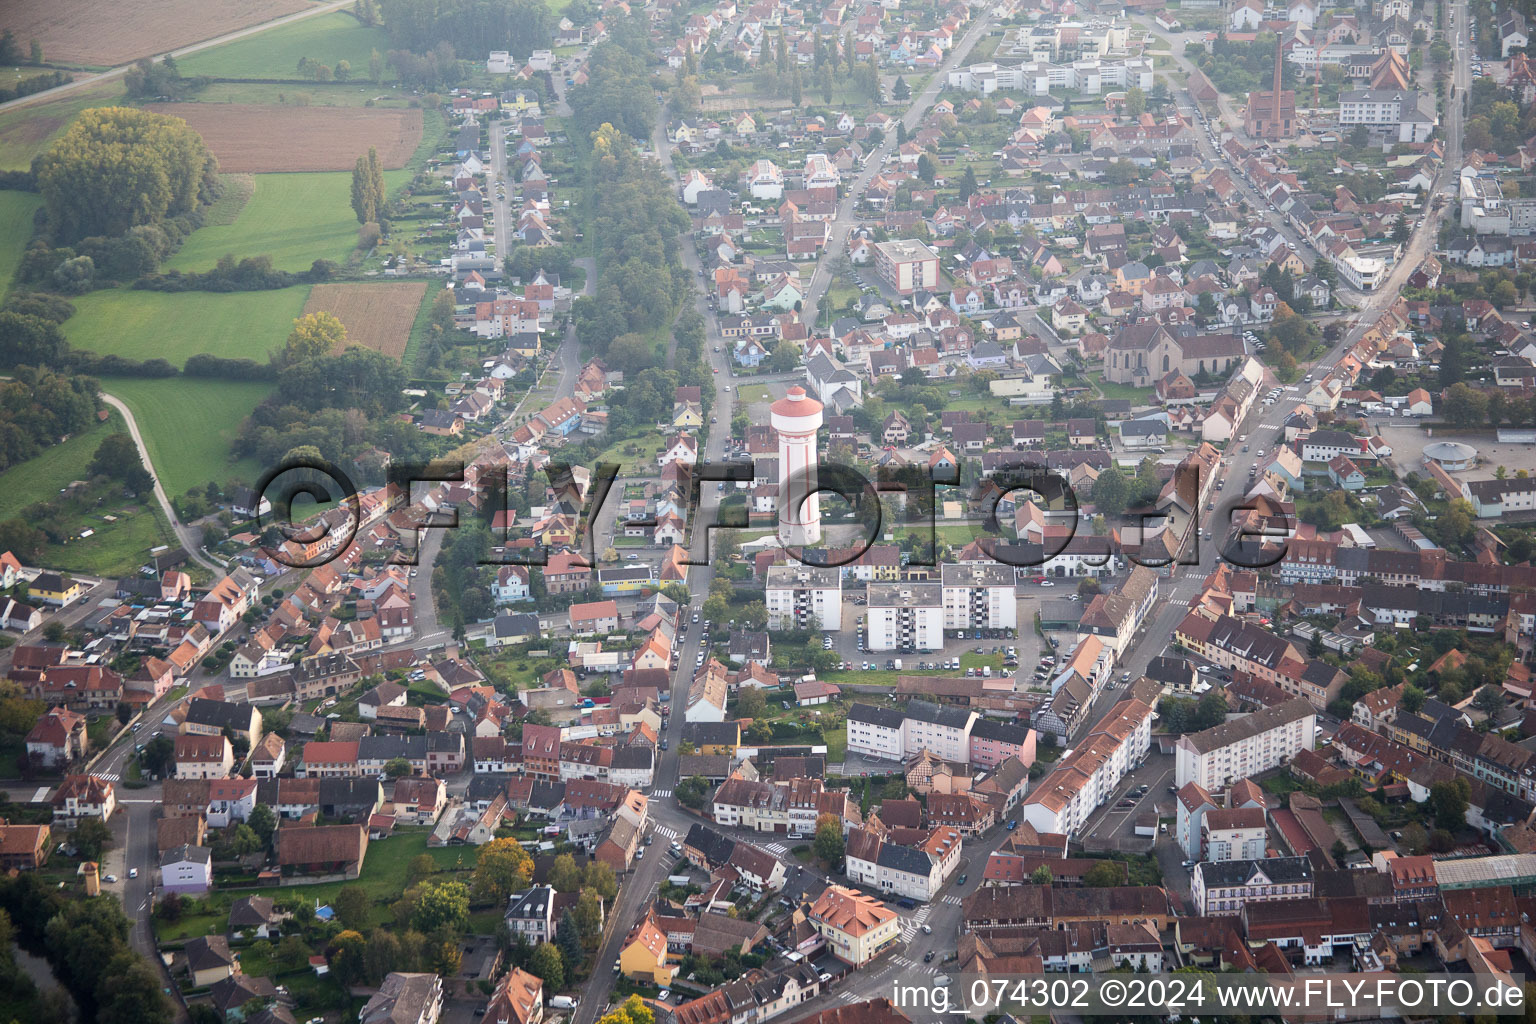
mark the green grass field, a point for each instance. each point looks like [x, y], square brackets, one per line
[188, 426]
[384, 877]
[175, 325]
[44, 476]
[294, 218]
[116, 546]
[16, 210]
[113, 548]
[305, 94]
[329, 39]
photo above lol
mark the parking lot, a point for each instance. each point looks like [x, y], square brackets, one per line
[1408, 440]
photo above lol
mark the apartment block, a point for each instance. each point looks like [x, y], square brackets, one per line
[905, 617]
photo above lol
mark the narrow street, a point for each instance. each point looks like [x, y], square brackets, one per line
[844, 221]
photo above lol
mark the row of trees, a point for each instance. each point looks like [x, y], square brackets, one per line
[85, 941]
[469, 26]
[368, 193]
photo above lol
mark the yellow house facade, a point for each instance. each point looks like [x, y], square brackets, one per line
[644, 956]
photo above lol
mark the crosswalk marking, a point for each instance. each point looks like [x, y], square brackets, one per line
[663, 830]
[109, 776]
[777, 849]
[953, 899]
[660, 793]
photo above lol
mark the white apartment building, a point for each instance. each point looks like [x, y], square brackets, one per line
[907, 265]
[942, 729]
[1040, 78]
[1244, 747]
[765, 180]
[905, 616]
[1062, 801]
[875, 732]
[804, 597]
[1408, 112]
[980, 596]
[1235, 833]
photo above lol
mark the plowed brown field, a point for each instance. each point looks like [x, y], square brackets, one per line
[105, 35]
[249, 138]
[377, 316]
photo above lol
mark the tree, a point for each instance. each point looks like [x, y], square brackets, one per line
[1490, 701]
[588, 915]
[92, 836]
[1465, 406]
[421, 866]
[828, 844]
[263, 822]
[119, 167]
[502, 868]
[347, 954]
[784, 356]
[1448, 802]
[292, 953]
[564, 875]
[444, 904]
[376, 67]
[352, 905]
[1104, 875]
[313, 335]
[795, 86]
[599, 878]
[1411, 700]
[568, 939]
[690, 791]
[158, 755]
[1110, 492]
[364, 205]
[901, 90]
[750, 702]
[926, 168]
[446, 959]
[1041, 875]
[1135, 102]
[396, 767]
[968, 184]
[547, 963]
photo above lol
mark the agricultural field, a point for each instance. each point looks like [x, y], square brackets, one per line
[294, 218]
[260, 139]
[25, 131]
[188, 426]
[91, 34]
[16, 210]
[328, 38]
[175, 325]
[376, 316]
